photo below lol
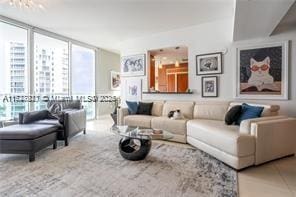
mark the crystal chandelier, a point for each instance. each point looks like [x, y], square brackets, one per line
[26, 3]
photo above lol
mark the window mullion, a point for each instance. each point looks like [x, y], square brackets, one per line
[70, 68]
[31, 66]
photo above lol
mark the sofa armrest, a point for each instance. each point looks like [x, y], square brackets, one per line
[245, 126]
[274, 139]
[121, 113]
[74, 121]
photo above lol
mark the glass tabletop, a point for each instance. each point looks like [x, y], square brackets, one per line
[141, 133]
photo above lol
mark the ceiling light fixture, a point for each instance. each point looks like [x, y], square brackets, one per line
[160, 65]
[177, 64]
[26, 3]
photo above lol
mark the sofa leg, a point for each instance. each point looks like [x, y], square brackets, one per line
[54, 145]
[31, 157]
[66, 142]
[84, 131]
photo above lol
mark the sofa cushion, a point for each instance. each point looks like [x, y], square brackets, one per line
[249, 112]
[156, 108]
[144, 108]
[29, 117]
[223, 137]
[26, 131]
[233, 114]
[210, 110]
[186, 108]
[269, 110]
[138, 120]
[49, 122]
[167, 124]
[132, 107]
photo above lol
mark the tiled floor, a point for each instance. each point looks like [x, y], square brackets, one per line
[277, 178]
[274, 179]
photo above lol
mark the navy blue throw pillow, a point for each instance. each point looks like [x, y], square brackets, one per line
[249, 112]
[132, 107]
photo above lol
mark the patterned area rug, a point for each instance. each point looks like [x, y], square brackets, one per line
[92, 166]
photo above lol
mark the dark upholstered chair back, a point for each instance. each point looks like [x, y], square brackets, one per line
[66, 104]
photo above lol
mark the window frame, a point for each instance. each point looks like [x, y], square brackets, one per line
[30, 54]
[28, 62]
[94, 69]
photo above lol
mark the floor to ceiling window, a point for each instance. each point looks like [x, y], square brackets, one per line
[83, 76]
[51, 68]
[13, 69]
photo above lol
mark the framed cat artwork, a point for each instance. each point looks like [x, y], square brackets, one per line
[262, 71]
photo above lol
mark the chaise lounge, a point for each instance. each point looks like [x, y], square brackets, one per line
[27, 139]
[38, 129]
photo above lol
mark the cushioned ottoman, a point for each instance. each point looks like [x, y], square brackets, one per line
[27, 138]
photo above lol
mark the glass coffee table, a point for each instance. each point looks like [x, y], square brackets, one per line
[135, 143]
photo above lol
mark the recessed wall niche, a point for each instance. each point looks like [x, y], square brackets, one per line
[168, 69]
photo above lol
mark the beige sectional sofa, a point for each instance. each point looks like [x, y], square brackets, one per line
[254, 142]
[159, 118]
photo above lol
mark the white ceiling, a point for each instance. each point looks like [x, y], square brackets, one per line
[258, 18]
[106, 23]
[288, 22]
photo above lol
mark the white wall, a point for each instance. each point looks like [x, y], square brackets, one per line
[205, 38]
[208, 38]
[107, 61]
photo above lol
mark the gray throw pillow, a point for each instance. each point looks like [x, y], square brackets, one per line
[55, 108]
[55, 112]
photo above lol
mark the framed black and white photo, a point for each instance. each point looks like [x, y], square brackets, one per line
[262, 71]
[207, 64]
[115, 80]
[134, 65]
[209, 86]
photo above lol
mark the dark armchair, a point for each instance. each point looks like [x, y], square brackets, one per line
[68, 117]
[72, 119]
[39, 129]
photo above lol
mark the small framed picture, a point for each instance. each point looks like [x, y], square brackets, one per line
[207, 64]
[209, 86]
[133, 89]
[134, 65]
[115, 80]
